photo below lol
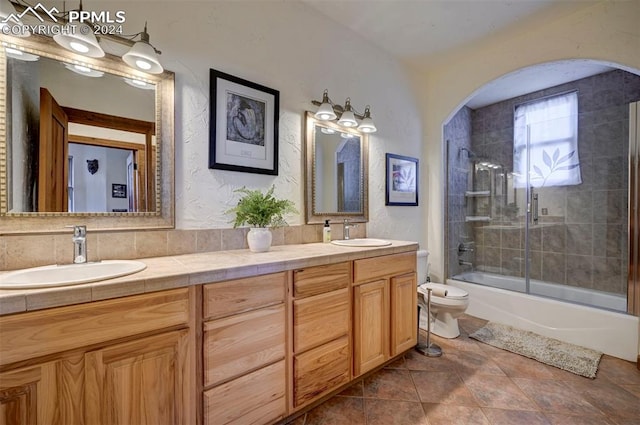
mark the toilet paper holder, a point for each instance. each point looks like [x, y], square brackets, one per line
[429, 349]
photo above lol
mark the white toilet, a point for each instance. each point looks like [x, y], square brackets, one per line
[447, 302]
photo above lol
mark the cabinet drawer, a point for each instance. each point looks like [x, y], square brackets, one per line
[242, 343]
[389, 265]
[240, 295]
[321, 370]
[320, 319]
[256, 398]
[320, 279]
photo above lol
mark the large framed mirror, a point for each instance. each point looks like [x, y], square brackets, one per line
[336, 172]
[82, 140]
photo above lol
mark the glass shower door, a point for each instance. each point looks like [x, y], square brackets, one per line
[575, 197]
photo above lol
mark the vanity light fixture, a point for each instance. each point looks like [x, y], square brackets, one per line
[348, 119]
[82, 41]
[325, 111]
[143, 55]
[347, 116]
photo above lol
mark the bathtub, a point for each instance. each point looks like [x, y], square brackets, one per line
[613, 333]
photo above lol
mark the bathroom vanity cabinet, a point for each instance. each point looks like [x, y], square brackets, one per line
[256, 349]
[321, 312]
[244, 350]
[385, 309]
[100, 362]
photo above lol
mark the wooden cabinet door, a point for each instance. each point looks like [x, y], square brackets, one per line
[140, 382]
[370, 325]
[403, 313]
[25, 393]
[47, 393]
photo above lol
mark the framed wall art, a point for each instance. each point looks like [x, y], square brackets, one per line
[401, 180]
[243, 129]
[118, 190]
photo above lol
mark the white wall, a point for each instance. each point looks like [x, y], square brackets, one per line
[89, 189]
[289, 47]
[93, 191]
[608, 31]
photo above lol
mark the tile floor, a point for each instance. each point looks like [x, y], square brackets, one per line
[474, 383]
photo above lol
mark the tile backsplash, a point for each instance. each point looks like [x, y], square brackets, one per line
[22, 251]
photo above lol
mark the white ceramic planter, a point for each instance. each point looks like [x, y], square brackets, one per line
[259, 239]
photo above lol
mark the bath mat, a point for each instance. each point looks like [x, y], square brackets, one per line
[573, 358]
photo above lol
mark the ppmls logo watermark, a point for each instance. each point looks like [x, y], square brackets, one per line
[99, 23]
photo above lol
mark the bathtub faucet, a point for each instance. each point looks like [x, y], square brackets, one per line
[465, 263]
[465, 247]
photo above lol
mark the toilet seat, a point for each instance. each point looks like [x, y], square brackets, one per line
[453, 293]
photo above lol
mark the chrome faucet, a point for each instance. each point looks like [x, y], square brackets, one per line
[79, 244]
[346, 225]
[465, 247]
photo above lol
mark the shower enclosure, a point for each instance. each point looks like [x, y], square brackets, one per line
[538, 187]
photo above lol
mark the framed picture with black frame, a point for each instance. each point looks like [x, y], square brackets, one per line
[118, 190]
[243, 126]
[401, 180]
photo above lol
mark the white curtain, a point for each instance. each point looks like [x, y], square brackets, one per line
[551, 127]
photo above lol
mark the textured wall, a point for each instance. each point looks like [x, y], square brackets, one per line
[291, 48]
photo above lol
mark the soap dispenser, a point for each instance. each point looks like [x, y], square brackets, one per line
[326, 232]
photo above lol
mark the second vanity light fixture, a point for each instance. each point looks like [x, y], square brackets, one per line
[346, 115]
[142, 55]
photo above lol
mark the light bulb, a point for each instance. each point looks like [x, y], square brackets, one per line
[143, 64]
[78, 47]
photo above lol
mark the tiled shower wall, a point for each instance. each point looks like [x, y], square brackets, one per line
[457, 135]
[582, 241]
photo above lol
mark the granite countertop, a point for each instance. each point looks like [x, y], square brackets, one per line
[164, 273]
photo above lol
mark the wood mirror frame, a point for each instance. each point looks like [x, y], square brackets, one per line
[160, 216]
[314, 213]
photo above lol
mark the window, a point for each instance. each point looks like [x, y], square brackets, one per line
[546, 142]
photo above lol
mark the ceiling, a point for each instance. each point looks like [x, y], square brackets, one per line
[419, 32]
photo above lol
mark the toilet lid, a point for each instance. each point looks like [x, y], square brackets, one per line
[452, 292]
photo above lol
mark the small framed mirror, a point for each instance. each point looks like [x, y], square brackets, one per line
[336, 172]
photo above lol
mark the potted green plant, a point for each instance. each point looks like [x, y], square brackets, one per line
[261, 211]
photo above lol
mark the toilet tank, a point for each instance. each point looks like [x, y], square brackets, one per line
[422, 260]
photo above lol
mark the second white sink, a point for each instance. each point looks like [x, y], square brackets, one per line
[68, 274]
[361, 242]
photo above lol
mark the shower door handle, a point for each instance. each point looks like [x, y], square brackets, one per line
[533, 210]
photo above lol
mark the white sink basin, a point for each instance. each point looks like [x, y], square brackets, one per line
[362, 242]
[68, 274]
